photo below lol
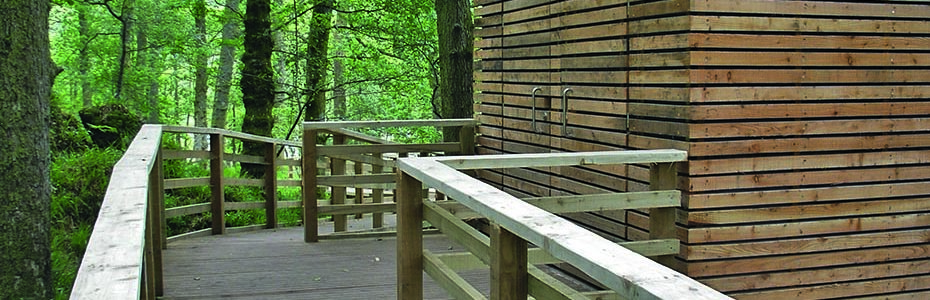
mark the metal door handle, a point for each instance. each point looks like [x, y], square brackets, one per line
[565, 110]
[535, 90]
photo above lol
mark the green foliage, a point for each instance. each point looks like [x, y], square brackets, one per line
[110, 125]
[66, 134]
[79, 182]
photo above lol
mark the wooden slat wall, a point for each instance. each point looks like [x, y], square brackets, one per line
[807, 122]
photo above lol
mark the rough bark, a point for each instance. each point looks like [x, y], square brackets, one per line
[317, 60]
[26, 73]
[125, 38]
[227, 60]
[455, 25]
[200, 77]
[87, 94]
[257, 80]
[339, 91]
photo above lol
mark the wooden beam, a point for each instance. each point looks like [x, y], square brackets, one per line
[508, 265]
[465, 261]
[663, 176]
[187, 210]
[473, 240]
[156, 204]
[354, 180]
[586, 203]
[394, 148]
[112, 264]
[622, 270]
[217, 197]
[228, 133]
[185, 154]
[503, 161]
[348, 209]
[180, 183]
[409, 238]
[377, 195]
[308, 175]
[271, 186]
[446, 277]
[358, 136]
[337, 167]
[394, 123]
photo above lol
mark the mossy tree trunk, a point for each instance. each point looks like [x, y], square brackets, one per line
[227, 60]
[257, 80]
[200, 80]
[25, 87]
[456, 48]
[317, 60]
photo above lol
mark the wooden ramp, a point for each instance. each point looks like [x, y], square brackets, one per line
[277, 264]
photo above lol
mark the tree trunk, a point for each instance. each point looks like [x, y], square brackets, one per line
[87, 94]
[227, 59]
[125, 38]
[456, 47]
[200, 64]
[339, 91]
[257, 80]
[26, 73]
[317, 61]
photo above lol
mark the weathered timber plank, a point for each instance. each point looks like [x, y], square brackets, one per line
[381, 124]
[797, 229]
[562, 159]
[572, 243]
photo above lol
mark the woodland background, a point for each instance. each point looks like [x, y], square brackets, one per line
[258, 66]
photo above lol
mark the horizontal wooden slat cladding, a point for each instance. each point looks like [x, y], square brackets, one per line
[805, 228]
[807, 25]
[816, 8]
[837, 42]
[808, 59]
[802, 261]
[825, 93]
[807, 162]
[806, 195]
[807, 124]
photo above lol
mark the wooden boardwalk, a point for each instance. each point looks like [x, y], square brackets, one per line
[277, 264]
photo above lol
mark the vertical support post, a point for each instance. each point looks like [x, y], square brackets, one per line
[509, 275]
[271, 186]
[156, 208]
[308, 174]
[217, 147]
[359, 168]
[377, 195]
[409, 200]
[338, 167]
[663, 176]
[467, 136]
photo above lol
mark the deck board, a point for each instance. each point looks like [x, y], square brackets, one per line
[277, 264]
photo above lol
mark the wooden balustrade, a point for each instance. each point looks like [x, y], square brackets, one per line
[368, 157]
[123, 259]
[525, 233]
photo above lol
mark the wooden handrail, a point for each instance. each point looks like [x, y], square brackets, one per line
[123, 257]
[370, 151]
[515, 222]
[113, 261]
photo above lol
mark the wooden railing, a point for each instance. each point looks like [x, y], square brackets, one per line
[371, 174]
[123, 259]
[526, 233]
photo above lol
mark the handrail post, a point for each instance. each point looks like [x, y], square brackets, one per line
[338, 195]
[509, 277]
[377, 195]
[271, 186]
[409, 200]
[217, 147]
[308, 174]
[663, 176]
[359, 168]
[467, 138]
[156, 209]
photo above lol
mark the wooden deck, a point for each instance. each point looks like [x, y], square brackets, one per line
[277, 264]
